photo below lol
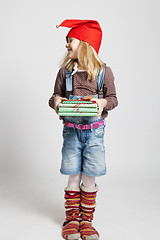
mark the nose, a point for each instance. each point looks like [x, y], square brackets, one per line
[67, 45]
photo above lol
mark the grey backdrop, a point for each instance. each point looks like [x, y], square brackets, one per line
[31, 187]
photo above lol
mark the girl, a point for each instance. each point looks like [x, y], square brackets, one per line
[82, 73]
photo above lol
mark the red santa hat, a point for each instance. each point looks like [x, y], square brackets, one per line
[85, 30]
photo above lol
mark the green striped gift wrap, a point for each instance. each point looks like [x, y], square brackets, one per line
[77, 108]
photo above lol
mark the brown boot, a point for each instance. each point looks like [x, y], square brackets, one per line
[87, 208]
[70, 229]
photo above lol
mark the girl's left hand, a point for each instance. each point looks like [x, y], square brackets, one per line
[101, 104]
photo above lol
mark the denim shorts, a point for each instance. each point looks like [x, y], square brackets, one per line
[83, 150]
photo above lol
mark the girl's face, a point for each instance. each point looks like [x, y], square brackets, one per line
[72, 47]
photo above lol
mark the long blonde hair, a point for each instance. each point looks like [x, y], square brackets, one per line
[88, 58]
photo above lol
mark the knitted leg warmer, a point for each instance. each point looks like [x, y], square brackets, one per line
[70, 229]
[87, 208]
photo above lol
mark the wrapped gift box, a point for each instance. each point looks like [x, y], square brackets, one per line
[77, 108]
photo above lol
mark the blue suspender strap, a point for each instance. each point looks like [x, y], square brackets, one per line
[68, 81]
[100, 79]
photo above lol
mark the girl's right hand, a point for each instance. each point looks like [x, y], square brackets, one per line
[58, 100]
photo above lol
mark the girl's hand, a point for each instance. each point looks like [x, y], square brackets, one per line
[58, 100]
[101, 104]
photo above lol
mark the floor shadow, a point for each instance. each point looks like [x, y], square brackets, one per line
[34, 201]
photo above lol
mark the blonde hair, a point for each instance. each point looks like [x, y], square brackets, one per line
[88, 58]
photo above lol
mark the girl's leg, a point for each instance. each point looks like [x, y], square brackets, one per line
[87, 207]
[70, 229]
[88, 181]
[74, 180]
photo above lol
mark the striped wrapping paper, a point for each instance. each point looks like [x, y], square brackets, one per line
[77, 108]
[71, 105]
[76, 102]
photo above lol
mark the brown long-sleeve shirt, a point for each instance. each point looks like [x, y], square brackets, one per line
[83, 87]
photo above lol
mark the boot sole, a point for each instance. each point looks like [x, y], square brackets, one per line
[75, 236]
